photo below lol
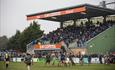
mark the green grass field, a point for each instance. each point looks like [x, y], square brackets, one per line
[41, 66]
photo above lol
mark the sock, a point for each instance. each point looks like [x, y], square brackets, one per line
[6, 65]
[28, 67]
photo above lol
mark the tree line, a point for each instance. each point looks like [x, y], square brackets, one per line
[21, 39]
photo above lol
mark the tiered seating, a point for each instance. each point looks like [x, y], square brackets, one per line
[81, 33]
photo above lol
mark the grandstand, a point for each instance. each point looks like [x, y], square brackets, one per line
[103, 42]
[82, 33]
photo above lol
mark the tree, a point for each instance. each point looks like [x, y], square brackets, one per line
[14, 42]
[30, 34]
[21, 39]
[3, 42]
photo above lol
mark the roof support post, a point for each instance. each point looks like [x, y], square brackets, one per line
[74, 22]
[104, 19]
[61, 24]
[88, 19]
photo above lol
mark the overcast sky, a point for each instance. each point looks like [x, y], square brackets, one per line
[13, 13]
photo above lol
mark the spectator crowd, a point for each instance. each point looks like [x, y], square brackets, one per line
[81, 33]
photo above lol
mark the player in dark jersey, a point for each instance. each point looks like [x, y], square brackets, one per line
[28, 60]
[80, 58]
[48, 59]
[70, 57]
[62, 59]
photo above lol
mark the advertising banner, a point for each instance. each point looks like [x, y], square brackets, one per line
[85, 60]
[58, 13]
[47, 46]
[75, 59]
[17, 59]
[95, 60]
